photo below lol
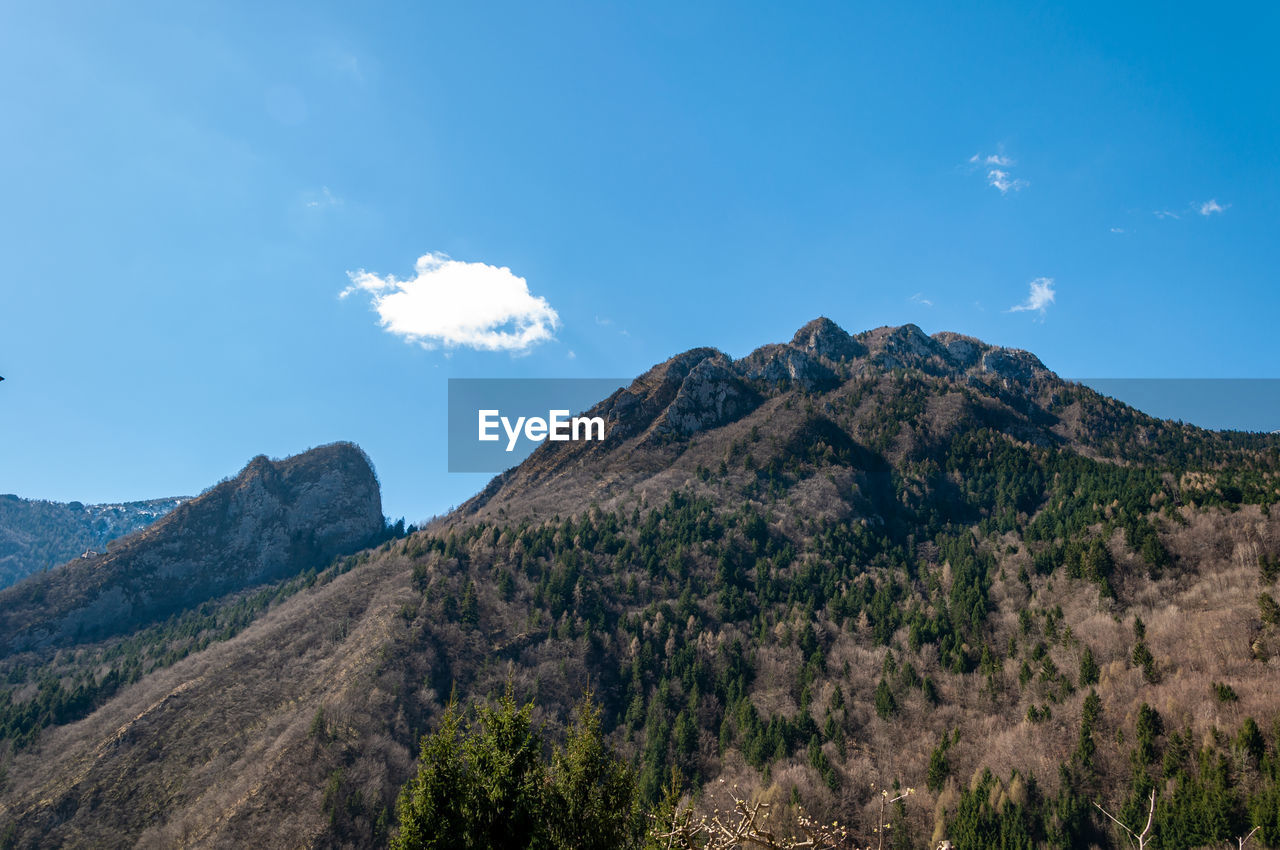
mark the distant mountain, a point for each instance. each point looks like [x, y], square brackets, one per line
[36, 535]
[272, 520]
[839, 564]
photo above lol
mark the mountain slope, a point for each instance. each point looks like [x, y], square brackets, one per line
[36, 535]
[271, 520]
[836, 563]
[221, 748]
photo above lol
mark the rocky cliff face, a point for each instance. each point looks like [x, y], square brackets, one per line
[825, 338]
[274, 519]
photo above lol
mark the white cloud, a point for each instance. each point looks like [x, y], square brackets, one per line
[919, 298]
[454, 304]
[1005, 182]
[1208, 208]
[997, 167]
[1117, 230]
[1040, 298]
[998, 159]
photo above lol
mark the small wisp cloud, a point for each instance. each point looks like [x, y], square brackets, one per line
[324, 199]
[997, 166]
[453, 304]
[1207, 208]
[1039, 299]
[1004, 181]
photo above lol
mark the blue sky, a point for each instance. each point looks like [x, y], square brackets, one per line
[187, 189]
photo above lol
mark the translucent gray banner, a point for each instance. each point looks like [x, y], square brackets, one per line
[1236, 404]
[494, 423]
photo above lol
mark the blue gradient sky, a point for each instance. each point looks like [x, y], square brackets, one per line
[185, 187]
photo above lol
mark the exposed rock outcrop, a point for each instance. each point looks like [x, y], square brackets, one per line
[710, 396]
[1013, 364]
[781, 366]
[631, 410]
[825, 338]
[274, 519]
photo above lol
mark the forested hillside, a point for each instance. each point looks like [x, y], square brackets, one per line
[36, 535]
[831, 569]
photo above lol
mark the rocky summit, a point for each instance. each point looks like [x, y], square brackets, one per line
[649, 422]
[269, 521]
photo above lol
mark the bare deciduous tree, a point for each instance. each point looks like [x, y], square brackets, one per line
[1241, 842]
[1140, 838]
[746, 826]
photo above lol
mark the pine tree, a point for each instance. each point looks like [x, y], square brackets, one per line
[1088, 668]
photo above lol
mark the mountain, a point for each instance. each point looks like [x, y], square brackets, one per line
[817, 571]
[660, 417]
[894, 392]
[272, 520]
[36, 535]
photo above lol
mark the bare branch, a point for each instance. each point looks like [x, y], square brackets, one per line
[1140, 838]
[745, 826]
[1150, 817]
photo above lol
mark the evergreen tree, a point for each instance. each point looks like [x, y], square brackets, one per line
[488, 786]
[1088, 668]
[594, 799]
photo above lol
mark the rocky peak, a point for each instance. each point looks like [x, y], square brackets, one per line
[702, 390]
[964, 350]
[632, 409]
[274, 519]
[670, 374]
[825, 338]
[711, 395]
[784, 366]
[1013, 364]
[907, 347]
[910, 340]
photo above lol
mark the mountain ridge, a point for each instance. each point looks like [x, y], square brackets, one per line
[36, 534]
[648, 416]
[258, 525]
[924, 571]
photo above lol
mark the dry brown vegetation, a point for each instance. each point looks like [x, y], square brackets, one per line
[218, 749]
[843, 518]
